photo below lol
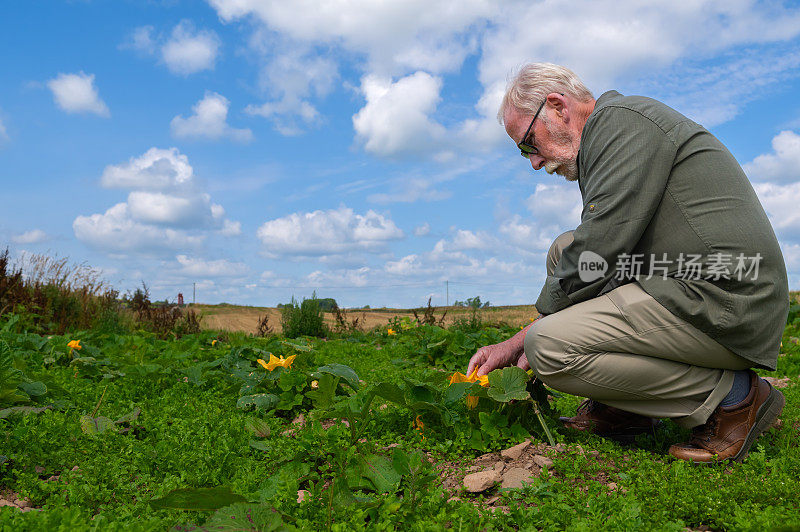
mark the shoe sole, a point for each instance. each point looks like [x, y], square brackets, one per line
[765, 417]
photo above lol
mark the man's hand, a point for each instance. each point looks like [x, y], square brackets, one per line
[497, 356]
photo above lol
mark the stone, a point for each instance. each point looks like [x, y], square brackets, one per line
[481, 481]
[23, 503]
[777, 424]
[611, 486]
[491, 500]
[38, 469]
[4, 502]
[454, 499]
[499, 466]
[514, 477]
[512, 453]
[542, 461]
[302, 495]
[75, 468]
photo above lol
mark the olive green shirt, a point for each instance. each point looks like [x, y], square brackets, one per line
[666, 205]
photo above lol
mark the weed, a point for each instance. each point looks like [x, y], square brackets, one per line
[304, 319]
[428, 315]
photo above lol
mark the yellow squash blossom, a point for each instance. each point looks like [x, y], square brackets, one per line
[391, 332]
[484, 381]
[213, 343]
[275, 362]
[460, 377]
[472, 401]
[75, 344]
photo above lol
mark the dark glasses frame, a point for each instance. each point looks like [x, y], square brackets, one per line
[529, 149]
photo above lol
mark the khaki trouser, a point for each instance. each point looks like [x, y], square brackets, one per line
[624, 349]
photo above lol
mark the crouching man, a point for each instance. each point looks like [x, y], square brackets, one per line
[672, 287]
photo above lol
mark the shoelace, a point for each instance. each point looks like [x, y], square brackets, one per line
[704, 433]
[587, 406]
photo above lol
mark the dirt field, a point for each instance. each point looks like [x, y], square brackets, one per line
[245, 319]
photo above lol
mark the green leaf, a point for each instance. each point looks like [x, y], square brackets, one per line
[374, 473]
[95, 425]
[33, 389]
[259, 427]
[345, 372]
[260, 445]
[303, 348]
[247, 517]
[130, 417]
[508, 384]
[262, 401]
[456, 391]
[22, 410]
[390, 392]
[323, 396]
[198, 499]
[400, 462]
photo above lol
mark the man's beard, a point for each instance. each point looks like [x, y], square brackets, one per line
[564, 162]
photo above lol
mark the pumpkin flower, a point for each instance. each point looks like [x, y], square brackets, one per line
[274, 362]
[213, 343]
[75, 344]
[419, 425]
[391, 332]
[460, 377]
[472, 401]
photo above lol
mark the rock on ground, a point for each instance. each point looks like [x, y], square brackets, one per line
[515, 452]
[514, 477]
[542, 461]
[481, 481]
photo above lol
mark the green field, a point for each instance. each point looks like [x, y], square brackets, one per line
[122, 433]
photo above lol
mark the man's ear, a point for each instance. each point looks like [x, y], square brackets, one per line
[559, 103]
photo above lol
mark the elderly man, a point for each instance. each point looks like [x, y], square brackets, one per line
[671, 288]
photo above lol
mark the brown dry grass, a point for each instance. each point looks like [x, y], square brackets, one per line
[245, 319]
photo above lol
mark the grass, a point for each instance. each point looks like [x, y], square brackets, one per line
[190, 434]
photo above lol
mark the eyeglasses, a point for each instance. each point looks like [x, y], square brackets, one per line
[529, 149]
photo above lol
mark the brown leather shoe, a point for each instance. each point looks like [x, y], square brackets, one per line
[730, 431]
[609, 422]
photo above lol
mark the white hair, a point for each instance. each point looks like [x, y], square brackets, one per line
[533, 82]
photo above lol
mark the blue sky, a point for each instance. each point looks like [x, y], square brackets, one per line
[268, 149]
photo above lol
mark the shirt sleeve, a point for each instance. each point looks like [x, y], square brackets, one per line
[625, 162]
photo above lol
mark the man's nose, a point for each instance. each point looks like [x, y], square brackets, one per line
[536, 161]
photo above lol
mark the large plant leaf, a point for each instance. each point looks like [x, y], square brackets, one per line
[390, 392]
[456, 391]
[197, 499]
[323, 396]
[22, 410]
[508, 384]
[373, 473]
[262, 401]
[34, 389]
[345, 372]
[95, 425]
[259, 427]
[247, 517]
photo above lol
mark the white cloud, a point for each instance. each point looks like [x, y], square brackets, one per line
[291, 76]
[156, 169]
[528, 236]
[780, 202]
[76, 93]
[188, 50]
[395, 119]
[556, 204]
[356, 278]
[116, 230]
[210, 121]
[165, 208]
[195, 267]
[422, 230]
[329, 232]
[3, 133]
[782, 165]
[410, 191]
[34, 236]
[142, 40]
[394, 36]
